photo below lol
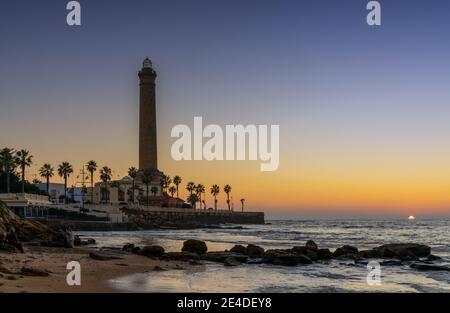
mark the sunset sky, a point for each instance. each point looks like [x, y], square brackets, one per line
[364, 112]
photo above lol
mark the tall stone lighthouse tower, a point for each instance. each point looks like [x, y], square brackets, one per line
[148, 159]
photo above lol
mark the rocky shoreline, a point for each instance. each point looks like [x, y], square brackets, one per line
[417, 256]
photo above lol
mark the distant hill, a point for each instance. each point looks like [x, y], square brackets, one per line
[26, 229]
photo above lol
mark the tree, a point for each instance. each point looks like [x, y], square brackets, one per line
[200, 189]
[132, 172]
[154, 190]
[177, 182]
[91, 166]
[105, 176]
[242, 202]
[172, 190]
[7, 163]
[193, 199]
[147, 178]
[47, 171]
[165, 182]
[23, 160]
[215, 190]
[190, 187]
[227, 190]
[64, 170]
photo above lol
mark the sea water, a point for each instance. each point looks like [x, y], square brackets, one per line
[326, 276]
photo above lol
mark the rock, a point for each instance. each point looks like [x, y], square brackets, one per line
[77, 240]
[311, 245]
[239, 249]
[255, 261]
[286, 259]
[195, 246]
[433, 257]
[300, 250]
[345, 250]
[396, 249]
[8, 248]
[180, 256]
[254, 251]
[103, 256]
[128, 247]
[312, 255]
[152, 251]
[324, 254]
[4, 270]
[370, 254]
[348, 256]
[158, 268]
[230, 261]
[222, 256]
[30, 271]
[136, 250]
[26, 229]
[429, 267]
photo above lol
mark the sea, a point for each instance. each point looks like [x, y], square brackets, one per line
[335, 276]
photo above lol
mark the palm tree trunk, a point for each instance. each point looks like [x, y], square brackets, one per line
[65, 188]
[176, 203]
[92, 187]
[23, 178]
[48, 185]
[8, 183]
[132, 192]
[215, 203]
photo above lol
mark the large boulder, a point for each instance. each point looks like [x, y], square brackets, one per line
[324, 254]
[345, 250]
[254, 251]
[284, 257]
[128, 247]
[311, 245]
[152, 251]
[195, 246]
[26, 230]
[239, 249]
[398, 249]
[221, 256]
[230, 261]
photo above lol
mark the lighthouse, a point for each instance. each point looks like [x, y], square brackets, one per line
[148, 158]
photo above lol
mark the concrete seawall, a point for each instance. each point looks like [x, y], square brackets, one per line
[154, 218]
[187, 218]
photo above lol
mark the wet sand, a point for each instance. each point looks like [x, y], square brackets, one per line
[94, 273]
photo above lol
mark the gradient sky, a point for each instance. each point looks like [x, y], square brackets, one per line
[364, 112]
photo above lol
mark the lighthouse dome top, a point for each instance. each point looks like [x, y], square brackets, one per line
[147, 63]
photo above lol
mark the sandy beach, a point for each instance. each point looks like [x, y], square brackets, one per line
[94, 273]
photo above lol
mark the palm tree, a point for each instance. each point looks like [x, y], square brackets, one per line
[190, 187]
[64, 170]
[23, 159]
[7, 163]
[47, 172]
[165, 182]
[91, 166]
[177, 182]
[227, 190]
[132, 172]
[172, 190]
[147, 179]
[242, 202]
[200, 189]
[215, 189]
[105, 176]
[193, 199]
